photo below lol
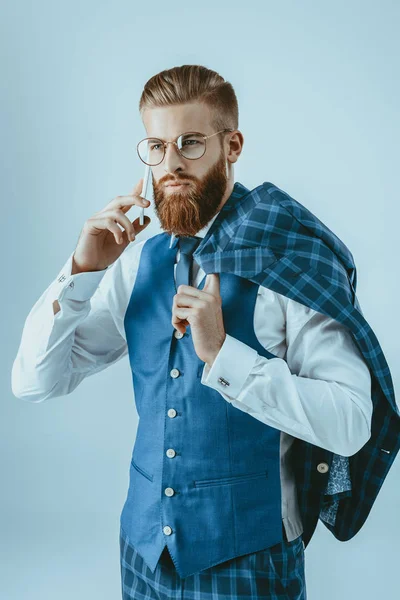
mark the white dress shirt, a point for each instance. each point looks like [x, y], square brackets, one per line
[318, 389]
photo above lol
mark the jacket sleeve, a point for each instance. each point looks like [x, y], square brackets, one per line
[320, 392]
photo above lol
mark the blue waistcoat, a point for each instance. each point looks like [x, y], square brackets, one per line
[204, 477]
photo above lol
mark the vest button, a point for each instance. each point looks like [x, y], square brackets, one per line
[323, 467]
[171, 413]
[178, 334]
[174, 373]
[170, 453]
[169, 492]
[167, 530]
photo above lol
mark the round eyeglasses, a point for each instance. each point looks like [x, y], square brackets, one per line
[191, 145]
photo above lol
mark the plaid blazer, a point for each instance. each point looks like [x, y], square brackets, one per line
[271, 239]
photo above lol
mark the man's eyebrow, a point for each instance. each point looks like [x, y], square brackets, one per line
[175, 138]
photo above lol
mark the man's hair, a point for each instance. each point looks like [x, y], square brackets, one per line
[193, 83]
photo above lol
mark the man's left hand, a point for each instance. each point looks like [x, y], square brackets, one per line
[202, 310]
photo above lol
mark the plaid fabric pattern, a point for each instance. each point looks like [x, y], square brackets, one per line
[276, 573]
[273, 240]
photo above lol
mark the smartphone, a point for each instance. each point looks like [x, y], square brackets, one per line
[144, 192]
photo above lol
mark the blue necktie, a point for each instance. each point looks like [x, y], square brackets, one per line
[183, 273]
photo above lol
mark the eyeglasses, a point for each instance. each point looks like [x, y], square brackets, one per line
[191, 145]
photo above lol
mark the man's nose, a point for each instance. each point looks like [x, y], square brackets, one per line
[173, 159]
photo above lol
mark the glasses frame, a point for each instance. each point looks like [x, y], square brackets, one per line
[165, 144]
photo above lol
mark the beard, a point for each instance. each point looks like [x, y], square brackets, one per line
[188, 209]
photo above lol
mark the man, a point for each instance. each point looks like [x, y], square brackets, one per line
[227, 374]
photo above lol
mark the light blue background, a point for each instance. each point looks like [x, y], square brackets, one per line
[318, 91]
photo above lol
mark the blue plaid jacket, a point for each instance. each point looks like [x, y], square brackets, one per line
[271, 239]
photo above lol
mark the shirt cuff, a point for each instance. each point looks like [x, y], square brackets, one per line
[231, 367]
[80, 286]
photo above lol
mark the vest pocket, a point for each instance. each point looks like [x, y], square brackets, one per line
[229, 480]
[140, 470]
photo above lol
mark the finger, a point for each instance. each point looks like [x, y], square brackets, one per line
[204, 296]
[136, 228]
[181, 317]
[190, 290]
[126, 224]
[126, 202]
[104, 222]
[211, 284]
[127, 231]
[113, 227]
[185, 300]
[181, 326]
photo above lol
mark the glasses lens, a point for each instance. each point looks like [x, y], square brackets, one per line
[191, 145]
[151, 151]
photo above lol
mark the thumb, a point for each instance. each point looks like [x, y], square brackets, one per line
[212, 284]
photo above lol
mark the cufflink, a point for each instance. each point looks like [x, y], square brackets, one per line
[223, 381]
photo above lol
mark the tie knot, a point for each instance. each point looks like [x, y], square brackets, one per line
[188, 244]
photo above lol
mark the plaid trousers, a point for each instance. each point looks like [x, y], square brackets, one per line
[275, 573]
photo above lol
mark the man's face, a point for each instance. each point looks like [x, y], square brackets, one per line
[186, 209]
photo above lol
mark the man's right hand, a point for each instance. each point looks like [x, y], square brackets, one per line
[101, 241]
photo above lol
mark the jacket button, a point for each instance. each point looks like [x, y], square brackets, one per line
[170, 453]
[171, 413]
[323, 467]
[167, 530]
[178, 334]
[174, 373]
[169, 492]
